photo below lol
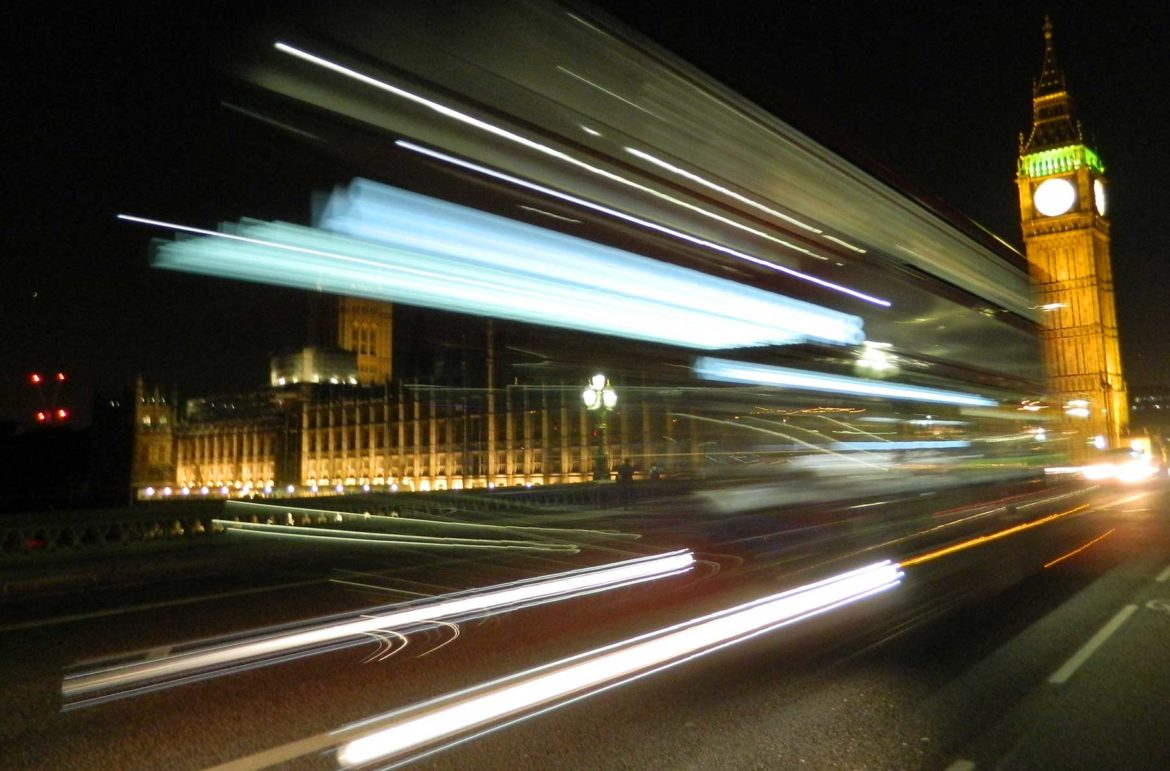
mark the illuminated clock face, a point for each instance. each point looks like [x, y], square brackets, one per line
[1099, 196]
[1054, 196]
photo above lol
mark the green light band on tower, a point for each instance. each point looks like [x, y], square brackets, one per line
[1060, 160]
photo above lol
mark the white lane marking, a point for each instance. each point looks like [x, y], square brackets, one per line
[1088, 649]
[961, 765]
[1164, 575]
[278, 755]
[1159, 604]
[152, 606]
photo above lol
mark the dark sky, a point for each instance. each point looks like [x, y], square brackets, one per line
[113, 107]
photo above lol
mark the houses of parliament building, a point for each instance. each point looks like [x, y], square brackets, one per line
[334, 418]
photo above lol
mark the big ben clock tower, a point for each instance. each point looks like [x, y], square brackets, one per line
[1063, 204]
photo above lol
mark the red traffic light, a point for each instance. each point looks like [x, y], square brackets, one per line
[34, 378]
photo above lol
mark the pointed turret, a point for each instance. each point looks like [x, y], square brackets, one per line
[1052, 106]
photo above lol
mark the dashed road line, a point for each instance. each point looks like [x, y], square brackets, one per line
[1164, 575]
[961, 765]
[1088, 649]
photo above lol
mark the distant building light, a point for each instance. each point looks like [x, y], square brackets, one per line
[167, 491]
[148, 492]
[394, 487]
[184, 491]
[204, 490]
[366, 488]
[312, 488]
[290, 489]
[339, 488]
[224, 490]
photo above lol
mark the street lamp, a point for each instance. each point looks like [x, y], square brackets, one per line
[599, 397]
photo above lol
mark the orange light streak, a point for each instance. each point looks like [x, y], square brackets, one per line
[1079, 549]
[982, 539]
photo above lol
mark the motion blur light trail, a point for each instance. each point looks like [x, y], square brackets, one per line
[511, 136]
[639, 221]
[982, 539]
[433, 255]
[1080, 548]
[397, 218]
[141, 676]
[726, 370]
[391, 539]
[396, 736]
[566, 533]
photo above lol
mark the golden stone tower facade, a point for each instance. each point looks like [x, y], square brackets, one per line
[366, 327]
[1063, 195]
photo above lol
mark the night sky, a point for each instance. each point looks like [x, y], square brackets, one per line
[114, 107]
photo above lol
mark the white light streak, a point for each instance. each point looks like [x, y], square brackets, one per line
[649, 225]
[560, 217]
[396, 539]
[525, 142]
[606, 91]
[452, 607]
[721, 189]
[846, 244]
[726, 370]
[570, 533]
[609, 666]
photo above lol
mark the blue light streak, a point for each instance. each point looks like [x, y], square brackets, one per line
[403, 247]
[725, 370]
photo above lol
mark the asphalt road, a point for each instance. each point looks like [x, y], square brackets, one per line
[972, 662]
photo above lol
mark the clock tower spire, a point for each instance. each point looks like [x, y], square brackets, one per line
[1062, 189]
